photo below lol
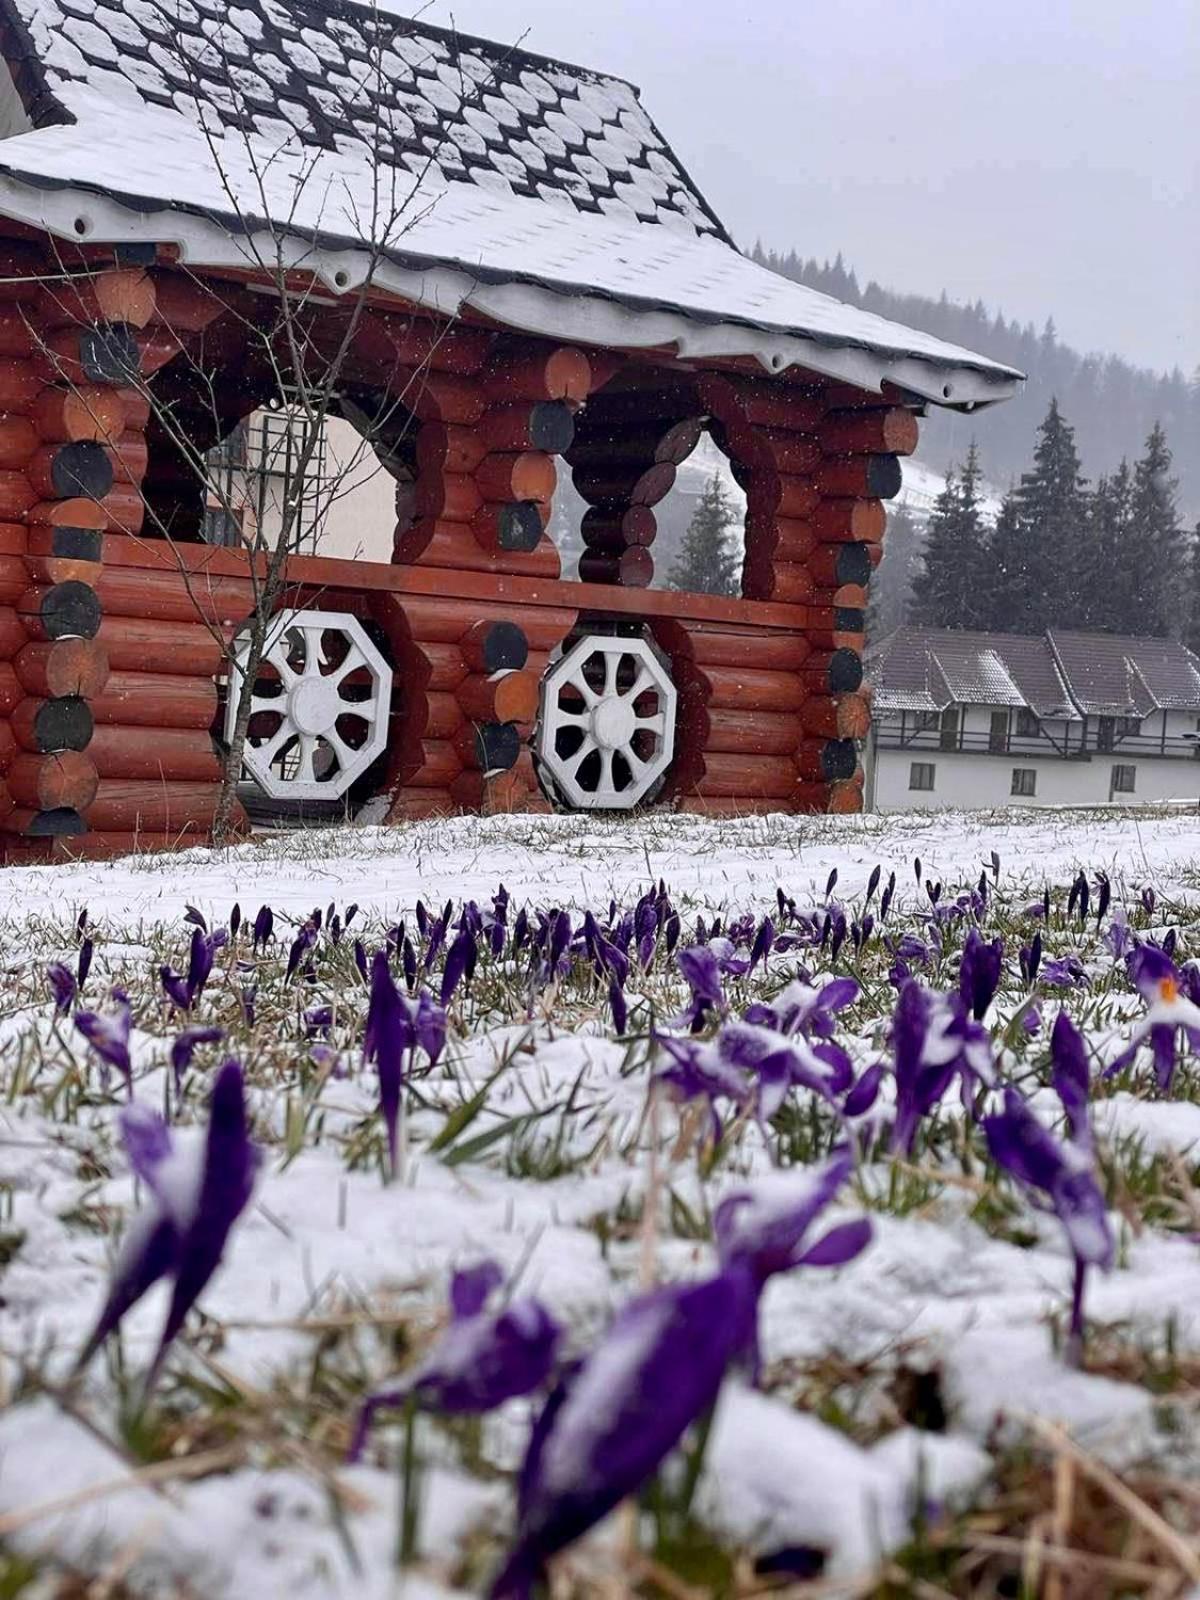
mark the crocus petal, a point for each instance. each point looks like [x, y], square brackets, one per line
[1070, 1075]
[471, 1286]
[766, 1233]
[839, 1245]
[227, 1182]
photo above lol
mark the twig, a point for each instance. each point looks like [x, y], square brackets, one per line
[158, 1472]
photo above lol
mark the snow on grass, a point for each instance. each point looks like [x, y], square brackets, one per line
[892, 1440]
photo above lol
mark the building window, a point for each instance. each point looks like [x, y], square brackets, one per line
[1106, 733]
[998, 733]
[1130, 727]
[920, 776]
[1024, 781]
[931, 721]
[1124, 780]
[1029, 724]
[948, 739]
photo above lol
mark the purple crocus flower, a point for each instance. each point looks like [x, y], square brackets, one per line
[264, 928]
[660, 1368]
[200, 961]
[302, 945]
[460, 964]
[184, 1048]
[109, 1037]
[84, 964]
[697, 1071]
[175, 987]
[387, 1039]
[1062, 1171]
[1172, 1021]
[196, 1196]
[933, 1041]
[62, 986]
[481, 1359]
[701, 970]
[979, 972]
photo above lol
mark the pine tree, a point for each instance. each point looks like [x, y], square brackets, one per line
[890, 596]
[1193, 593]
[1158, 608]
[1109, 564]
[708, 561]
[950, 592]
[1034, 553]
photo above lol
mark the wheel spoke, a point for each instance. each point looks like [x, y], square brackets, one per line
[642, 681]
[266, 753]
[305, 771]
[606, 770]
[612, 661]
[340, 748]
[573, 763]
[656, 722]
[579, 682]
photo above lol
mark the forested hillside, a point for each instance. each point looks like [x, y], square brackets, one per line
[1112, 405]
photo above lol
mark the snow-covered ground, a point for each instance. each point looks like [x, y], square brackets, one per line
[230, 1480]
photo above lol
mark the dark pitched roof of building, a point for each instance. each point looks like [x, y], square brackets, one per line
[361, 80]
[1055, 674]
[1111, 674]
[988, 669]
[538, 193]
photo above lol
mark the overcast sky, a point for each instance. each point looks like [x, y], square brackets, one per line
[1042, 154]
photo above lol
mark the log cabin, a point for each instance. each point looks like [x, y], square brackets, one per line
[497, 269]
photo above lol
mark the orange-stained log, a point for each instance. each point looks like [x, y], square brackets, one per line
[747, 776]
[16, 495]
[749, 689]
[846, 716]
[447, 497]
[746, 732]
[489, 646]
[502, 697]
[44, 783]
[63, 667]
[137, 644]
[118, 295]
[11, 692]
[165, 597]
[17, 339]
[180, 753]
[433, 764]
[182, 304]
[12, 633]
[849, 521]
[891, 432]
[758, 649]
[18, 441]
[20, 385]
[42, 726]
[155, 700]
[542, 425]
[411, 804]
[561, 374]
[523, 475]
[132, 804]
[90, 412]
[454, 545]
[876, 477]
[825, 760]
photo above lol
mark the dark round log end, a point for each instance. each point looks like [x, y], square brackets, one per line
[77, 544]
[853, 563]
[884, 477]
[109, 354]
[551, 427]
[71, 608]
[83, 469]
[839, 758]
[504, 648]
[519, 526]
[845, 671]
[61, 823]
[63, 724]
[497, 746]
[848, 619]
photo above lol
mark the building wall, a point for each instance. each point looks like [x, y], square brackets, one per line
[978, 781]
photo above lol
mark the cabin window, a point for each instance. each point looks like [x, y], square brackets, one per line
[1130, 727]
[931, 721]
[949, 726]
[1024, 782]
[1029, 724]
[998, 732]
[1124, 780]
[920, 776]
[1106, 733]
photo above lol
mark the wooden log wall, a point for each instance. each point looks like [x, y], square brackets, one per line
[97, 654]
[81, 678]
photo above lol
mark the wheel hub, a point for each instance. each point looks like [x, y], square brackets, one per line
[314, 705]
[613, 723]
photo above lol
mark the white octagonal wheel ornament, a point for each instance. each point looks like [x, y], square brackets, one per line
[319, 709]
[607, 729]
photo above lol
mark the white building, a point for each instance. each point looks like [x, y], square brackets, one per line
[988, 719]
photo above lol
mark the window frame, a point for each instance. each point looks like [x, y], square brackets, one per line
[922, 767]
[1029, 724]
[1114, 786]
[1019, 791]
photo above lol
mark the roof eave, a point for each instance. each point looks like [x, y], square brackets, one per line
[578, 312]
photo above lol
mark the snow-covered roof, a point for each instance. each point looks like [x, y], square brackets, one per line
[985, 669]
[538, 193]
[1055, 674]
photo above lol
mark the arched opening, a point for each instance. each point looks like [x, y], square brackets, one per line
[651, 498]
